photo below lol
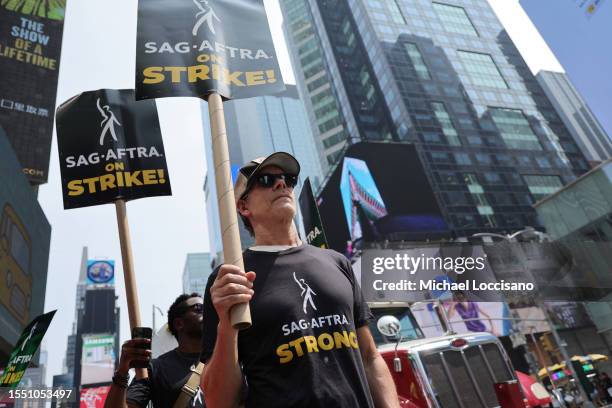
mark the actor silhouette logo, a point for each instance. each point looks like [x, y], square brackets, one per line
[25, 342]
[197, 399]
[306, 293]
[108, 122]
[205, 15]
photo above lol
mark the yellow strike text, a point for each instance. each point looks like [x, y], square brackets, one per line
[116, 180]
[195, 73]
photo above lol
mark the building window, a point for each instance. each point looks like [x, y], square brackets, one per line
[396, 12]
[463, 158]
[503, 159]
[456, 198]
[446, 124]
[480, 199]
[440, 157]
[515, 129]
[543, 186]
[431, 137]
[333, 158]
[455, 19]
[417, 61]
[543, 162]
[492, 177]
[446, 177]
[367, 87]
[483, 158]
[375, 4]
[482, 70]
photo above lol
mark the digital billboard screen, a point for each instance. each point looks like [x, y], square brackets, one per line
[98, 358]
[100, 272]
[93, 397]
[379, 191]
[30, 47]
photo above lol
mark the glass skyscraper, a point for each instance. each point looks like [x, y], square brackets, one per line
[446, 77]
[196, 272]
[591, 137]
[257, 127]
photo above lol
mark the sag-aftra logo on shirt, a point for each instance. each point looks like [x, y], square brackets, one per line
[325, 341]
[306, 293]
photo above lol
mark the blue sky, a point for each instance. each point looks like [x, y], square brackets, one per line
[582, 46]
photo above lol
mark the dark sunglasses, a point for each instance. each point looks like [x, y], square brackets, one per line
[268, 180]
[196, 307]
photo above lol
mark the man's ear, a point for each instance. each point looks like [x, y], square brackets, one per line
[178, 323]
[243, 208]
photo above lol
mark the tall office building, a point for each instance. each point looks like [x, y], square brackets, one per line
[93, 345]
[446, 77]
[34, 377]
[196, 272]
[257, 127]
[591, 137]
[79, 304]
[25, 235]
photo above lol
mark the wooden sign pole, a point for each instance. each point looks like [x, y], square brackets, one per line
[127, 259]
[232, 250]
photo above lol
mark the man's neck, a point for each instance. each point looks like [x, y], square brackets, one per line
[190, 345]
[276, 235]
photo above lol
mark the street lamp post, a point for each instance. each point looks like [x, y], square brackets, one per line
[153, 312]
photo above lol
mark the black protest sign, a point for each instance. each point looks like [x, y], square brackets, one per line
[24, 350]
[311, 218]
[30, 48]
[199, 47]
[110, 148]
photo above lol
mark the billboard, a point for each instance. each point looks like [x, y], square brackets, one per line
[369, 199]
[568, 315]
[25, 235]
[30, 47]
[100, 315]
[465, 316]
[98, 358]
[93, 397]
[100, 272]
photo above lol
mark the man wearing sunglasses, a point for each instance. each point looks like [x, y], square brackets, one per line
[309, 345]
[168, 372]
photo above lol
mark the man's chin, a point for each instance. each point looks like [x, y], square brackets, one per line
[283, 211]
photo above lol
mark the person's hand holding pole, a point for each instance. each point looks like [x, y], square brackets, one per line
[231, 287]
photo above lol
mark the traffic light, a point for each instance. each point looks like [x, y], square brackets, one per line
[547, 343]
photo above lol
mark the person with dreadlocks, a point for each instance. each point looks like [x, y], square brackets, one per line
[174, 377]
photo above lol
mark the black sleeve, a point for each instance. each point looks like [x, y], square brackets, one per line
[210, 321]
[139, 392]
[361, 311]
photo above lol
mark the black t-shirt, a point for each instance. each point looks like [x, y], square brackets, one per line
[301, 350]
[167, 375]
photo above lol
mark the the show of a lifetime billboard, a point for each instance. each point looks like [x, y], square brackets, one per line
[30, 47]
